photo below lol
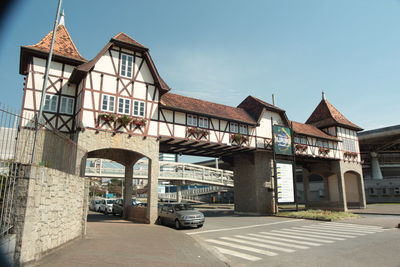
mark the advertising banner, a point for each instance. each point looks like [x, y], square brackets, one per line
[285, 182]
[283, 140]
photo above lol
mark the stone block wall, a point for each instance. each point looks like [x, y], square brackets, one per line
[51, 209]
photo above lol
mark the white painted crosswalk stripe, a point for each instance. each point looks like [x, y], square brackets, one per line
[308, 233]
[340, 229]
[271, 242]
[238, 254]
[330, 230]
[358, 226]
[324, 232]
[256, 250]
[288, 240]
[295, 236]
[266, 236]
[237, 240]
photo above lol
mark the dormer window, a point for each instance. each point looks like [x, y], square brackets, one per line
[126, 65]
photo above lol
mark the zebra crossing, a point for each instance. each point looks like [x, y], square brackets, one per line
[253, 246]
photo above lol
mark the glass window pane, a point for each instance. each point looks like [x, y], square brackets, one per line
[111, 103]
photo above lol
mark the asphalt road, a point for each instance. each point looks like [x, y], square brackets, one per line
[271, 241]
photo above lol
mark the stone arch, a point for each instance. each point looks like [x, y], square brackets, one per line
[127, 150]
[353, 189]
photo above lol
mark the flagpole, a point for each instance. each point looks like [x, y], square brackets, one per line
[46, 77]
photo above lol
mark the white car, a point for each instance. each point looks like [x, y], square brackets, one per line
[94, 204]
[106, 205]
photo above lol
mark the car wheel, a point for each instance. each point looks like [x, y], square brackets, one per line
[177, 224]
[199, 226]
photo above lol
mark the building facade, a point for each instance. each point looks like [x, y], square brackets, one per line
[118, 107]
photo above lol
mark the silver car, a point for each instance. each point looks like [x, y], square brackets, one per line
[180, 215]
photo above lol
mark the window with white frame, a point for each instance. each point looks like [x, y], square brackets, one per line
[349, 145]
[126, 65]
[203, 122]
[50, 103]
[192, 120]
[233, 127]
[67, 105]
[138, 108]
[124, 105]
[108, 103]
[243, 129]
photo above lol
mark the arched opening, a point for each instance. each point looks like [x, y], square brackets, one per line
[353, 189]
[120, 183]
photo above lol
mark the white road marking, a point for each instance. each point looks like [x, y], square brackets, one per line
[266, 236]
[307, 233]
[341, 229]
[242, 227]
[256, 250]
[271, 242]
[349, 225]
[257, 244]
[238, 254]
[291, 235]
[324, 232]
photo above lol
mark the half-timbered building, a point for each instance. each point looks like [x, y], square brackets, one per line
[118, 107]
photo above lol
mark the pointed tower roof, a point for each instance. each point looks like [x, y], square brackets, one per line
[123, 37]
[325, 115]
[63, 45]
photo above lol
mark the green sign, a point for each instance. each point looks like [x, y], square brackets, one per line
[282, 140]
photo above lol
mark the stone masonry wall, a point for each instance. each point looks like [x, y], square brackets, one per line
[50, 211]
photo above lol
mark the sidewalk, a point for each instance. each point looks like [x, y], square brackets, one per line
[379, 209]
[111, 241]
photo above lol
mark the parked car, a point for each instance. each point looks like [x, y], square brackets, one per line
[94, 204]
[106, 205]
[118, 206]
[180, 215]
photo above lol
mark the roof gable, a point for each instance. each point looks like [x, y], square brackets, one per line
[255, 107]
[123, 37]
[198, 106]
[63, 44]
[325, 115]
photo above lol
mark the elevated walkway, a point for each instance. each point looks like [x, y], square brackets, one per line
[169, 171]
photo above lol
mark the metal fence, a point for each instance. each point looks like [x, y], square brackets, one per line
[24, 142]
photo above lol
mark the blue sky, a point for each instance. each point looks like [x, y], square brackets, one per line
[225, 50]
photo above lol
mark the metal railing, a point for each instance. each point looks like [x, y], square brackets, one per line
[169, 171]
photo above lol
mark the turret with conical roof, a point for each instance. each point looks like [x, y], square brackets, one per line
[326, 115]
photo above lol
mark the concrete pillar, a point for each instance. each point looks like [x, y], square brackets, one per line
[341, 187]
[152, 195]
[306, 185]
[254, 189]
[178, 193]
[128, 189]
[375, 167]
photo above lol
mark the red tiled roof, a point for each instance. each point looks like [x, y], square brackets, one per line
[123, 37]
[311, 130]
[198, 106]
[63, 44]
[325, 114]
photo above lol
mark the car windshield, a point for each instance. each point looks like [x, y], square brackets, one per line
[97, 202]
[183, 207]
[110, 201]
